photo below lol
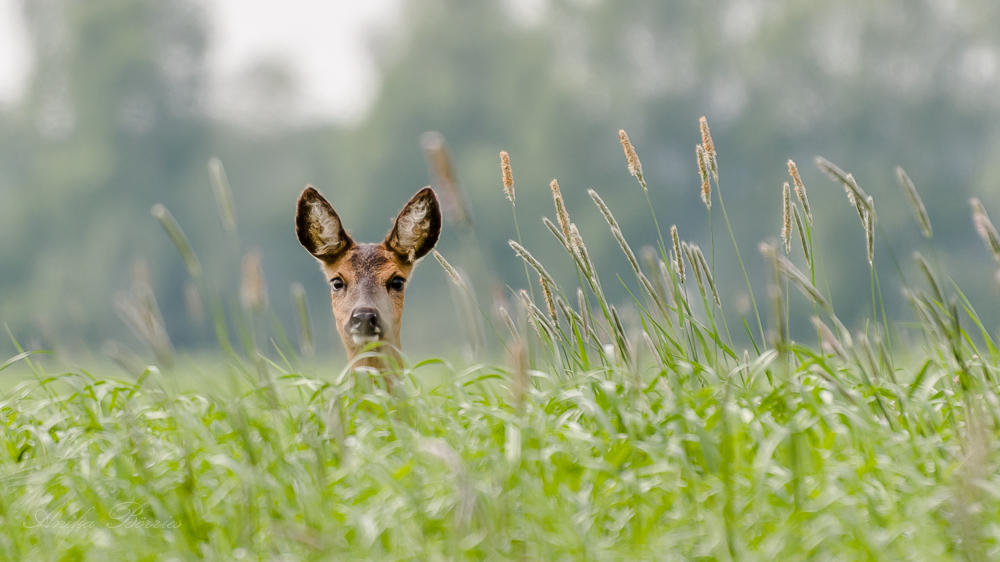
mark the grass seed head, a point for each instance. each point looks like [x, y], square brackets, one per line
[689, 250]
[177, 236]
[786, 218]
[678, 257]
[192, 303]
[709, 147]
[519, 384]
[707, 272]
[985, 228]
[634, 166]
[140, 312]
[532, 261]
[916, 203]
[931, 277]
[800, 189]
[454, 199]
[507, 175]
[576, 242]
[302, 317]
[869, 222]
[581, 302]
[537, 318]
[452, 272]
[547, 292]
[787, 270]
[774, 291]
[253, 290]
[561, 215]
[802, 232]
[654, 351]
[706, 185]
[829, 340]
[223, 193]
[509, 322]
[855, 195]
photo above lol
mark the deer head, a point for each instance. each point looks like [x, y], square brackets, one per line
[368, 281]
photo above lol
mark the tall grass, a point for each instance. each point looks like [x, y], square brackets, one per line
[598, 440]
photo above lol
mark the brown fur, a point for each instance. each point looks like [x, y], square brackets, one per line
[368, 270]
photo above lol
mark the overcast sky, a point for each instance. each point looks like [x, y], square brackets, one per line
[324, 41]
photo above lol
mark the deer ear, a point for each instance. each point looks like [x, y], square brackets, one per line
[319, 228]
[417, 228]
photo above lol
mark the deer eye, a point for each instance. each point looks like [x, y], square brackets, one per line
[337, 283]
[397, 283]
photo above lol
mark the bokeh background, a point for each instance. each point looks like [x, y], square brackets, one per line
[108, 107]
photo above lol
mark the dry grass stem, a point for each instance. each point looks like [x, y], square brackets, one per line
[507, 175]
[916, 203]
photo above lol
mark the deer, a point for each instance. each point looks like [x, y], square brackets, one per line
[368, 281]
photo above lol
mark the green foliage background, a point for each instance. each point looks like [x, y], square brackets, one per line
[114, 121]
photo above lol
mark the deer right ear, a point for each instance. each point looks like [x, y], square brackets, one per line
[319, 228]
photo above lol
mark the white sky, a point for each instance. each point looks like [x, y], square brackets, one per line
[324, 41]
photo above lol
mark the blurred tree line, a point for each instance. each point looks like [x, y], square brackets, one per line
[115, 121]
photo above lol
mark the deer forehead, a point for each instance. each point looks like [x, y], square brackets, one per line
[367, 262]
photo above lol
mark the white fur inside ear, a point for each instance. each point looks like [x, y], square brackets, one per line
[412, 228]
[324, 228]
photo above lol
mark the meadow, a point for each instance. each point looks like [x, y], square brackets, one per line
[586, 440]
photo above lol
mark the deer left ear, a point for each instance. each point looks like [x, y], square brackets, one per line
[417, 228]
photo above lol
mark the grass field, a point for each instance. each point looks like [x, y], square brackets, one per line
[591, 442]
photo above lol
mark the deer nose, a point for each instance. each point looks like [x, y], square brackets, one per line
[364, 322]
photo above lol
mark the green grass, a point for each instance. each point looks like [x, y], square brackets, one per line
[597, 443]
